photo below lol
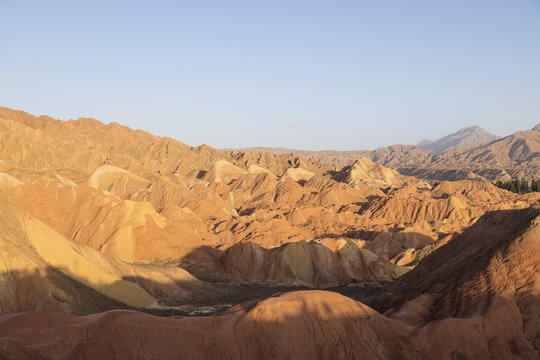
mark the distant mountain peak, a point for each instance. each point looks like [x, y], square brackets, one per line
[468, 136]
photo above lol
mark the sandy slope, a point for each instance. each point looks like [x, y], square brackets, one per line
[487, 308]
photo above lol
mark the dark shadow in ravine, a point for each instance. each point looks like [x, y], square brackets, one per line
[370, 235]
[461, 266]
[52, 290]
[458, 276]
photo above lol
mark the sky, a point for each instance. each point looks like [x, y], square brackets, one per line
[302, 74]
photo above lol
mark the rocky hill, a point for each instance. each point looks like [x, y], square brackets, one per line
[117, 224]
[469, 154]
[475, 298]
[469, 136]
[80, 146]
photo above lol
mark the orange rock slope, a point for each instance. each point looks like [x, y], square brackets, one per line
[96, 217]
[475, 298]
[145, 212]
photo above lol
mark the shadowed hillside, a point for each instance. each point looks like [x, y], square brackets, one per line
[98, 218]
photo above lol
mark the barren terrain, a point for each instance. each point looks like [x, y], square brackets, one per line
[118, 243]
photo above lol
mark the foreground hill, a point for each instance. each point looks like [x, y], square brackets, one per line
[485, 282]
[97, 217]
[40, 270]
[475, 298]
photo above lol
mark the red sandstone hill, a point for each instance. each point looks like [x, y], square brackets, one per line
[475, 298]
[96, 217]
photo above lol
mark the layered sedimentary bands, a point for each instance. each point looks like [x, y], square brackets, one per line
[111, 238]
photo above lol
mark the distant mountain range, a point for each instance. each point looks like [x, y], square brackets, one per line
[469, 136]
[84, 144]
[470, 153]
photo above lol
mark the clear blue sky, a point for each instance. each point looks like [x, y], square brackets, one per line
[301, 74]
